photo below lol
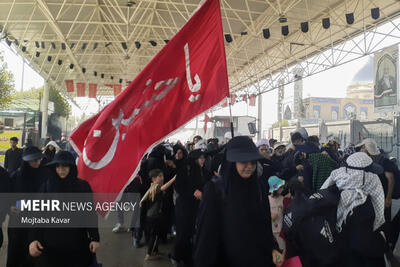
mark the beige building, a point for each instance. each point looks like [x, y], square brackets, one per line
[332, 109]
[358, 104]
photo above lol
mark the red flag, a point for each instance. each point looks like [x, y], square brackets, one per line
[70, 86]
[206, 120]
[233, 98]
[244, 98]
[80, 89]
[92, 90]
[252, 100]
[117, 89]
[186, 78]
[225, 104]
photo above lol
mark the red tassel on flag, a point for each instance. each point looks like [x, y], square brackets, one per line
[206, 120]
[80, 89]
[253, 100]
[92, 90]
[70, 86]
[225, 104]
[233, 99]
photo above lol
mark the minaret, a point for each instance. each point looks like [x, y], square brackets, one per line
[298, 93]
[281, 95]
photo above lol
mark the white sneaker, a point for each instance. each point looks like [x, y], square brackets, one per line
[118, 228]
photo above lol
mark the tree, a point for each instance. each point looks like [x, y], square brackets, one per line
[61, 105]
[6, 84]
[284, 124]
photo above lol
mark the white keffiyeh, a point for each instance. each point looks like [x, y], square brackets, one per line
[356, 188]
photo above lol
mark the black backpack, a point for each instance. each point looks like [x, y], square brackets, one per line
[309, 225]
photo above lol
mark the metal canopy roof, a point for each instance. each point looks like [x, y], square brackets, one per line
[93, 32]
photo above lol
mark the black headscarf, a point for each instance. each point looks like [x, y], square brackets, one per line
[247, 209]
[28, 179]
[49, 154]
[180, 164]
[199, 175]
[63, 185]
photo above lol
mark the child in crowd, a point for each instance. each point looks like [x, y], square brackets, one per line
[277, 209]
[153, 200]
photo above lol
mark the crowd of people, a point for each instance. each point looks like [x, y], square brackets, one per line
[238, 203]
[258, 204]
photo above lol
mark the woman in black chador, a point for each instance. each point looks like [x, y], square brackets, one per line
[234, 220]
[26, 179]
[65, 247]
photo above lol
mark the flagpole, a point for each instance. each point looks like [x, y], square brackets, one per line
[230, 116]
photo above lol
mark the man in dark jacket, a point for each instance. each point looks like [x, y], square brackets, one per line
[370, 147]
[13, 157]
[289, 167]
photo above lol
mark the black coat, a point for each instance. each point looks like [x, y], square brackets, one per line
[287, 165]
[13, 159]
[60, 243]
[270, 168]
[218, 159]
[4, 188]
[25, 180]
[185, 212]
[49, 155]
[234, 223]
[200, 176]
[362, 244]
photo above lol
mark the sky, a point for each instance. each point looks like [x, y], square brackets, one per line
[15, 64]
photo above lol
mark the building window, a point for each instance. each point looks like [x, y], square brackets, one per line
[363, 113]
[316, 114]
[317, 111]
[334, 115]
[9, 122]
